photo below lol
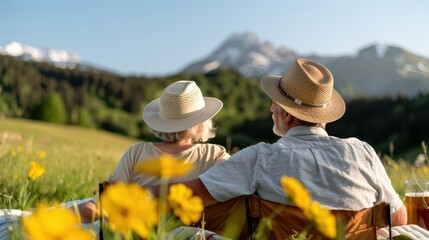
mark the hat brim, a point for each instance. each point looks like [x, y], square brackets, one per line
[330, 113]
[152, 118]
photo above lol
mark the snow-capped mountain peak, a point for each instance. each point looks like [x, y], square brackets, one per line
[59, 58]
[248, 55]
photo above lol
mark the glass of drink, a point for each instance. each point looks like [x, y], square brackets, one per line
[417, 202]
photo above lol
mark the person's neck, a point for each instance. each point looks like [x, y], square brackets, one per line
[181, 142]
[293, 124]
[174, 147]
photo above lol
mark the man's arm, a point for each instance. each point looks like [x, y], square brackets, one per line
[200, 190]
[197, 187]
[399, 217]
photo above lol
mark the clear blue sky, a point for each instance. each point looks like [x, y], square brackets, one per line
[161, 37]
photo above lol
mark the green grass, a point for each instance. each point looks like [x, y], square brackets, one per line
[77, 159]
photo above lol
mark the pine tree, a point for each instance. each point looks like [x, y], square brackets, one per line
[52, 110]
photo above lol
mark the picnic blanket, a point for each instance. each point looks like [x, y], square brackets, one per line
[10, 218]
[411, 230]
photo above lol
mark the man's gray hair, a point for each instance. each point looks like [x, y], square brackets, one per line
[199, 133]
[302, 122]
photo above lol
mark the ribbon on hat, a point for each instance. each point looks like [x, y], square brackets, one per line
[296, 100]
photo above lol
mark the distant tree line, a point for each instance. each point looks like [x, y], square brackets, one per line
[93, 98]
[98, 99]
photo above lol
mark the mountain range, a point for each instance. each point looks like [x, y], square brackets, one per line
[59, 58]
[373, 71]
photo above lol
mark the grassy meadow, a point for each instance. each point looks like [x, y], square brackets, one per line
[76, 159]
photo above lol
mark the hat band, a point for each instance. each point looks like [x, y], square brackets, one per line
[296, 100]
[165, 115]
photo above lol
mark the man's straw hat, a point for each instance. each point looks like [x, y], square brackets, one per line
[307, 92]
[180, 107]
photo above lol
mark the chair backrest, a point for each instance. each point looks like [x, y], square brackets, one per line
[289, 220]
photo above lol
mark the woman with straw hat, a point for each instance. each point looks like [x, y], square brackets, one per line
[180, 118]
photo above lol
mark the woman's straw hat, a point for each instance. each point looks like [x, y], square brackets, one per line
[306, 91]
[180, 107]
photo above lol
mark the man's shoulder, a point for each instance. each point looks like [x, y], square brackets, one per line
[263, 147]
[349, 140]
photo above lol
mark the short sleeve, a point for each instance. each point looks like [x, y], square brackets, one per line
[125, 167]
[221, 155]
[234, 177]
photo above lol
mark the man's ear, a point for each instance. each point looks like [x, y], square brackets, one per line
[285, 115]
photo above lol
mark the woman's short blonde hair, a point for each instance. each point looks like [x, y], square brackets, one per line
[199, 133]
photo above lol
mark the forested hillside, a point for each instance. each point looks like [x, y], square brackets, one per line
[97, 99]
[104, 100]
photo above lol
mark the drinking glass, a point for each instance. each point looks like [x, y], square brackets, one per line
[417, 202]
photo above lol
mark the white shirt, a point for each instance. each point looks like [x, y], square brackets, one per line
[343, 174]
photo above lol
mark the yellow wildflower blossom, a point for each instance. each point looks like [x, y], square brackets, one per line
[129, 207]
[166, 166]
[20, 149]
[296, 191]
[36, 170]
[426, 169]
[41, 154]
[322, 217]
[326, 224]
[187, 207]
[54, 224]
[13, 153]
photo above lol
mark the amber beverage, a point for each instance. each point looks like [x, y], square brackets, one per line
[417, 202]
[417, 205]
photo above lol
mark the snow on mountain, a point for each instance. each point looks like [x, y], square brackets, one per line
[245, 53]
[59, 58]
[376, 70]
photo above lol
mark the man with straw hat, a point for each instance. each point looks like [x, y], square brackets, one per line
[344, 174]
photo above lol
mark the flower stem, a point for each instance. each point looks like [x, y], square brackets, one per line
[163, 191]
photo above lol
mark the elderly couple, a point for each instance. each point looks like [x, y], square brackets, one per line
[344, 174]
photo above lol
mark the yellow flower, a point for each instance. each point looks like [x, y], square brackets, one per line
[129, 207]
[296, 191]
[36, 170]
[166, 166]
[426, 169]
[13, 153]
[41, 154]
[326, 224]
[54, 224]
[20, 149]
[187, 207]
[322, 217]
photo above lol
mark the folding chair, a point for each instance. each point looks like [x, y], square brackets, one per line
[290, 220]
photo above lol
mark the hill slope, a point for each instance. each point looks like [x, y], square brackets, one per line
[76, 159]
